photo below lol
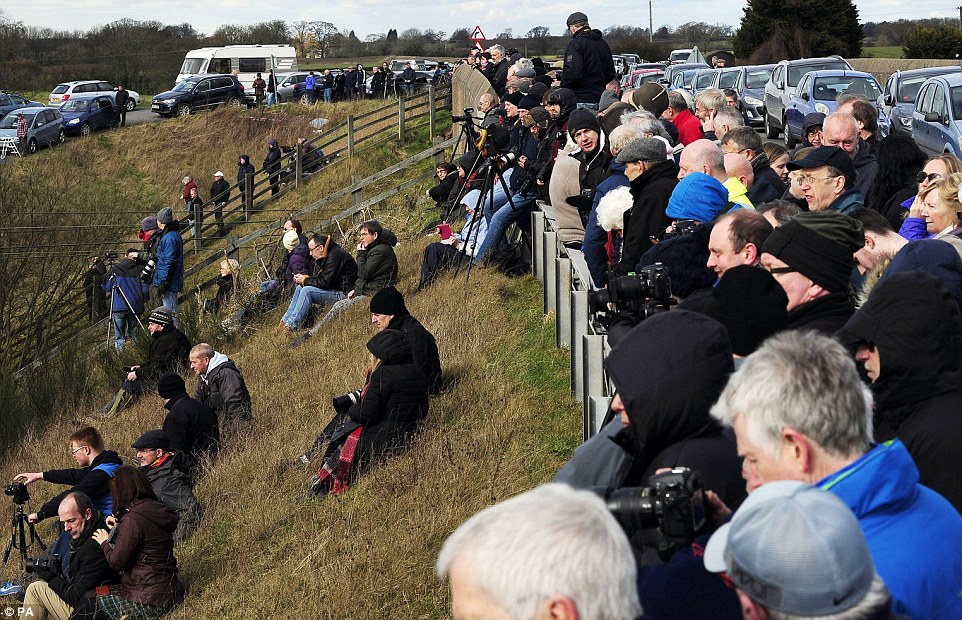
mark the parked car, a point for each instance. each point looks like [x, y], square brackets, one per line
[10, 101]
[671, 71]
[703, 79]
[641, 76]
[82, 115]
[785, 78]
[199, 92]
[726, 78]
[63, 92]
[44, 127]
[290, 86]
[937, 118]
[901, 91]
[750, 86]
[683, 80]
[816, 92]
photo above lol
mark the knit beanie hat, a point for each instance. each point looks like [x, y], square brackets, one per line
[165, 216]
[582, 119]
[529, 101]
[291, 240]
[514, 98]
[467, 160]
[537, 116]
[697, 197]
[170, 385]
[751, 304]
[388, 300]
[161, 315]
[820, 245]
[652, 97]
[148, 223]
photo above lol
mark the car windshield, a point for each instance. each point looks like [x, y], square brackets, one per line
[828, 88]
[60, 89]
[10, 120]
[795, 73]
[74, 105]
[909, 88]
[649, 77]
[757, 79]
[184, 87]
[192, 65]
[704, 80]
[728, 79]
[680, 56]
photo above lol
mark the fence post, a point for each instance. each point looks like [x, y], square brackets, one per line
[563, 302]
[593, 380]
[357, 195]
[350, 136]
[537, 257]
[248, 196]
[579, 328]
[400, 119]
[548, 250]
[198, 224]
[432, 111]
[298, 165]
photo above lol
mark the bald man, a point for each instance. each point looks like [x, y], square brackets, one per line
[841, 129]
[702, 156]
[740, 179]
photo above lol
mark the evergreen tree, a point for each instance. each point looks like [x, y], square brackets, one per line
[773, 30]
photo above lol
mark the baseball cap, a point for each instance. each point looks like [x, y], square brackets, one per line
[826, 156]
[218, 174]
[794, 548]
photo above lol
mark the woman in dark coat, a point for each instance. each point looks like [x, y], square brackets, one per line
[392, 405]
[142, 548]
[272, 164]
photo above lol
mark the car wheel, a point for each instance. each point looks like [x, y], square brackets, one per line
[32, 145]
[234, 102]
[770, 132]
[183, 109]
[305, 99]
[790, 141]
[131, 105]
[86, 129]
[61, 137]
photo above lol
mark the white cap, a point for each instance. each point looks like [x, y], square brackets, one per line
[218, 174]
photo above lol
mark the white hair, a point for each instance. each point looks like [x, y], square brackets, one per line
[803, 381]
[523, 63]
[622, 135]
[551, 540]
[612, 207]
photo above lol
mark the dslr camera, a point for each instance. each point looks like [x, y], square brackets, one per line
[651, 285]
[680, 228]
[673, 502]
[18, 492]
[343, 402]
[47, 563]
[467, 117]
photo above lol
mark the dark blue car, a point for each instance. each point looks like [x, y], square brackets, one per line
[10, 102]
[82, 115]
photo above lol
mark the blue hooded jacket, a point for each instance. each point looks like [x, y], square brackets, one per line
[934, 257]
[914, 534]
[697, 197]
[170, 258]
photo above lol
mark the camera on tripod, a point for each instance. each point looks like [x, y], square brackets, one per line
[47, 563]
[650, 285]
[18, 492]
[467, 117]
[673, 502]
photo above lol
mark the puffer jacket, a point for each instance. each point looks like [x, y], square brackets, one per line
[170, 258]
[222, 388]
[377, 266]
[337, 271]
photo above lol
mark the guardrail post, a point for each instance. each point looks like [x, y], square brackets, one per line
[593, 355]
[350, 136]
[596, 407]
[198, 224]
[400, 119]
[537, 232]
[579, 328]
[550, 267]
[432, 112]
[563, 302]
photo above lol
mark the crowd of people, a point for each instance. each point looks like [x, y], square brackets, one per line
[786, 344]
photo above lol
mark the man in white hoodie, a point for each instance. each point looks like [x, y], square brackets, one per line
[220, 386]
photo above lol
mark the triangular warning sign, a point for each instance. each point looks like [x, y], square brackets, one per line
[477, 35]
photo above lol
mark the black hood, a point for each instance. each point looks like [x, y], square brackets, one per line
[915, 324]
[391, 347]
[669, 371]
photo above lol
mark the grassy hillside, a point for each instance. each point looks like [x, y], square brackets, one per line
[506, 424]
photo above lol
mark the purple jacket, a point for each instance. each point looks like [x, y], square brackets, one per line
[913, 229]
[297, 263]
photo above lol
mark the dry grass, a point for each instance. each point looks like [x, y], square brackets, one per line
[507, 424]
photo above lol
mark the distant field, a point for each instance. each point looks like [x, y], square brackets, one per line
[893, 51]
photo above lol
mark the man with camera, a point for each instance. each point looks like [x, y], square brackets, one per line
[127, 292]
[68, 591]
[92, 478]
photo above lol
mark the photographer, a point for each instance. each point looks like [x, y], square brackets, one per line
[92, 477]
[127, 301]
[60, 594]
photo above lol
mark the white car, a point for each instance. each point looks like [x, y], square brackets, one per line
[63, 92]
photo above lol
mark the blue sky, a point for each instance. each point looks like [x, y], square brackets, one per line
[377, 16]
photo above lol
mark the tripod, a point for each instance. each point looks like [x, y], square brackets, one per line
[114, 290]
[18, 535]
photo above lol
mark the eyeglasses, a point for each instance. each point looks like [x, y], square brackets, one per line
[76, 450]
[780, 270]
[735, 152]
[922, 177]
[804, 179]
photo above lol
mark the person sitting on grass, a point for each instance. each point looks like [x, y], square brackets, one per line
[329, 276]
[389, 312]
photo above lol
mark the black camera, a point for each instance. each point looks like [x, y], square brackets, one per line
[467, 117]
[18, 492]
[148, 270]
[48, 563]
[343, 402]
[680, 228]
[651, 283]
[110, 255]
[673, 502]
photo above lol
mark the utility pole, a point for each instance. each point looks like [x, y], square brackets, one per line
[960, 15]
[651, 31]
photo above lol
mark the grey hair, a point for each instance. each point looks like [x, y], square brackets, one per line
[712, 99]
[497, 48]
[803, 381]
[551, 540]
[873, 605]
[612, 207]
[841, 118]
[729, 116]
[634, 117]
[203, 350]
[523, 63]
[622, 135]
[652, 126]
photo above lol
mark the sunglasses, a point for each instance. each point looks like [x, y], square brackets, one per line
[922, 176]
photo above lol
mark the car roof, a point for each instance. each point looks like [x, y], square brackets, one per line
[89, 97]
[33, 109]
[76, 82]
[805, 61]
[840, 73]
[929, 70]
[952, 79]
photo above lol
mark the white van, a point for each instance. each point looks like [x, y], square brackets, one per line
[246, 60]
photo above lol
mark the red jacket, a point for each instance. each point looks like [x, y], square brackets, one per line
[689, 127]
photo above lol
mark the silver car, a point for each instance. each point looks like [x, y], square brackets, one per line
[44, 127]
[290, 86]
[63, 92]
[937, 118]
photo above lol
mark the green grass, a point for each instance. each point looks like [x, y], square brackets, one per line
[894, 51]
